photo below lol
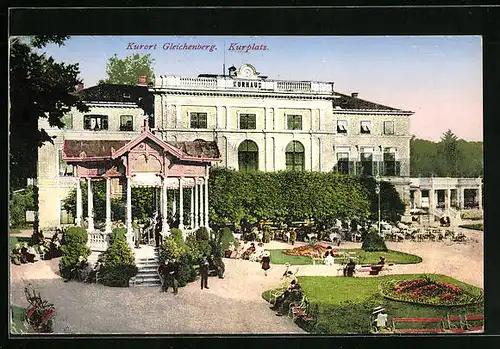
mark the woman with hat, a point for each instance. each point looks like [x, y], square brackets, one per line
[266, 260]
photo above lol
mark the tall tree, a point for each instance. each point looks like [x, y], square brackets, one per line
[126, 71]
[40, 87]
[450, 155]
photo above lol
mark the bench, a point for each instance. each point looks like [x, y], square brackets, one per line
[375, 269]
[301, 310]
[438, 320]
[453, 327]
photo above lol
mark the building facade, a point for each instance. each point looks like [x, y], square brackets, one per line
[272, 125]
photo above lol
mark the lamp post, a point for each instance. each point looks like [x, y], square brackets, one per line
[377, 191]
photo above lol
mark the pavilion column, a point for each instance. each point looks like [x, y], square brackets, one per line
[418, 198]
[206, 202]
[90, 206]
[191, 211]
[201, 203]
[447, 199]
[165, 229]
[181, 205]
[79, 207]
[462, 197]
[108, 205]
[196, 207]
[130, 233]
[480, 196]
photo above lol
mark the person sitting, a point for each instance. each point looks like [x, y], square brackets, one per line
[350, 268]
[292, 295]
[329, 260]
[249, 251]
[382, 260]
[378, 267]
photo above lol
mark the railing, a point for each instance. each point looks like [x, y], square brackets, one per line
[98, 240]
[293, 85]
[198, 82]
[369, 168]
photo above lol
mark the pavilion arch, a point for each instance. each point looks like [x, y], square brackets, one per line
[295, 156]
[248, 156]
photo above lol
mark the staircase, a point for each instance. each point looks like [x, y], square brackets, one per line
[148, 269]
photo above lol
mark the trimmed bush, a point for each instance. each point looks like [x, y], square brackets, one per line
[177, 236]
[186, 271]
[171, 249]
[118, 233]
[226, 237]
[73, 246]
[373, 242]
[473, 215]
[119, 264]
[202, 234]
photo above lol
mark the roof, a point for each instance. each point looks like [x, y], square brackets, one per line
[103, 149]
[115, 93]
[349, 102]
[198, 148]
[91, 148]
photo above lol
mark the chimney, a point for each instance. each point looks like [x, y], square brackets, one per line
[354, 95]
[142, 80]
[79, 86]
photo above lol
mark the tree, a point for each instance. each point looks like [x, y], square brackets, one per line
[39, 88]
[126, 71]
[450, 155]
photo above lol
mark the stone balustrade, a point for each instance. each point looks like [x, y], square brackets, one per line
[98, 240]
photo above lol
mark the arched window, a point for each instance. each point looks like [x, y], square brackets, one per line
[295, 156]
[248, 156]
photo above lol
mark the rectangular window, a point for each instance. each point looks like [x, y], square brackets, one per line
[294, 122]
[390, 167]
[342, 126]
[198, 120]
[294, 161]
[64, 168]
[248, 122]
[366, 163]
[67, 119]
[95, 122]
[65, 216]
[365, 127]
[343, 163]
[126, 123]
[388, 127]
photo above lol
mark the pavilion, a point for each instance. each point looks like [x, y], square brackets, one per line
[143, 161]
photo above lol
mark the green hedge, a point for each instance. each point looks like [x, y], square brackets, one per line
[73, 246]
[119, 264]
[477, 226]
[291, 196]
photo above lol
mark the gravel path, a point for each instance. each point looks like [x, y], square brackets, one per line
[232, 305]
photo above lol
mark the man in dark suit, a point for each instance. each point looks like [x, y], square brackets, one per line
[204, 270]
[163, 272]
[172, 271]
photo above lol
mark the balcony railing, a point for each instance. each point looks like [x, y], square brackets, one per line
[369, 168]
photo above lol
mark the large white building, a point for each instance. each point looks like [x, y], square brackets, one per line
[258, 123]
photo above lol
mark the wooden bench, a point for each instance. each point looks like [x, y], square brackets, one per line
[438, 320]
[453, 327]
[301, 310]
[375, 269]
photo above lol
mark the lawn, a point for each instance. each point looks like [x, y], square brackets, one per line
[17, 323]
[345, 304]
[477, 226]
[13, 240]
[279, 257]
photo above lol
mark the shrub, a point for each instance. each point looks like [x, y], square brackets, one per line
[373, 242]
[73, 246]
[473, 215]
[118, 233]
[186, 271]
[171, 249]
[226, 237]
[202, 234]
[119, 264]
[177, 236]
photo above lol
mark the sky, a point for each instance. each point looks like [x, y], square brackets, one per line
[437, 77]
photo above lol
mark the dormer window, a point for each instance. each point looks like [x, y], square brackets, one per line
[95, 122]
[365, 127]
[126, 95]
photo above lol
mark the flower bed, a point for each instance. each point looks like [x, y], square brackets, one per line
[426, 291]
[309, 251]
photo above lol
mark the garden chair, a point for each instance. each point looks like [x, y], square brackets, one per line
[452, 325]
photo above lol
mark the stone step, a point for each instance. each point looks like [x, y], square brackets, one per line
[145, 281]
[148, 269]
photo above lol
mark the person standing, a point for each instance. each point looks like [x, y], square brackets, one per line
[293, 236]
[162, 272]
[266, 262]
[350, 268]
[204, 270]
[172, 271]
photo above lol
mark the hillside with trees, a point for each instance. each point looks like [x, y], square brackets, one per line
[450, 157]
